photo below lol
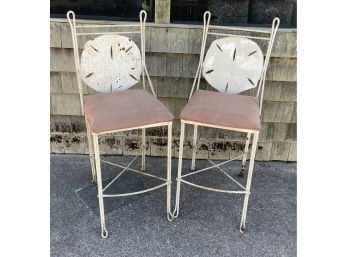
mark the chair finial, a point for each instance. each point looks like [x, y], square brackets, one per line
[143, 16]
[70, 15]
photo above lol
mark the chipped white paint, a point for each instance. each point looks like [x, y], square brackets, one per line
[110, 63]
[233, 65]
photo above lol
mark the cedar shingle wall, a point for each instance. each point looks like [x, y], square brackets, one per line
[172, 58]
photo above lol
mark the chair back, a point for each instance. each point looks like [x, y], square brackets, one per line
[110, 61]
[234, 61]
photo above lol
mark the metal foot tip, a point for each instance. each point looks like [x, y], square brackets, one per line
[242, 230]
[104, 233]
[175, 214]
[170, 217]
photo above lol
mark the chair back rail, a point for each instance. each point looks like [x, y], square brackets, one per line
[106, 39]
[224, 58]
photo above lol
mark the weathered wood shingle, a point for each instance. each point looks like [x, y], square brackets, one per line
[55, 39]
[156, 64]
[65, 104]
[174, 65]
[55, 83]
[69, 84]
[174, 87]
[277, 111]
[178, 40]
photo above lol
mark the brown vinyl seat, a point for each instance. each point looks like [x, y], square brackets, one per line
[225, 110]
[121, 110]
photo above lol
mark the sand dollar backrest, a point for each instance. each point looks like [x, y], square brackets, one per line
[233, 64]
[110, 63]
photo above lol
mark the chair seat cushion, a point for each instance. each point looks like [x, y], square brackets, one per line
[122, 110]
[225, 110]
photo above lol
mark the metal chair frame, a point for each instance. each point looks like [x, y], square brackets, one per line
[270, 36]
[93, 144]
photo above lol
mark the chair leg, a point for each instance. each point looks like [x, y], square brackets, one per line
[143, 146]
[194, 150]
[181, 149]
[250, 174]
[246, 149]
[169, 171]
[91, 153]
[104, 232]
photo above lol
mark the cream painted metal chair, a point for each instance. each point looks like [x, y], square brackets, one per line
[110, 64]
[232, 64]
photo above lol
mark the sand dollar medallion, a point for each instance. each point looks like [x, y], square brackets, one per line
[233, 65]
[110, 63]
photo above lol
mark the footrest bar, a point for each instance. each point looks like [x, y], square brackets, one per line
[124, 170]
[138, 192]
[229, 176]
[208, 168]
[134, 170]
[212, 189]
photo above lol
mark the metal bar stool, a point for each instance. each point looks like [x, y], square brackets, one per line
[111, 63]
[232, 64]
